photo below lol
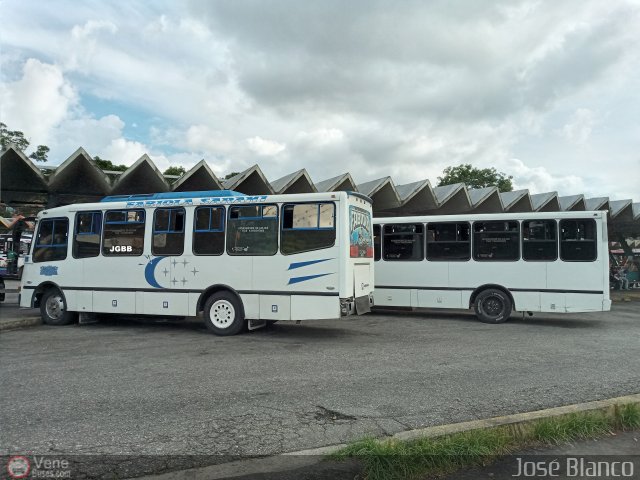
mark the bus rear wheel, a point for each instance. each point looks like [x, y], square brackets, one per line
[493, 306]
[223, 314]
[53, 308]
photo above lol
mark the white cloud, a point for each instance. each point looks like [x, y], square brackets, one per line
[540, 180]
[579, 128]
[202, 138]
[91, 27]
[265, 147]
[38, 101]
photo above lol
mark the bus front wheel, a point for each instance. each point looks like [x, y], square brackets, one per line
[53, 308]
[224, 314]
[493, 306]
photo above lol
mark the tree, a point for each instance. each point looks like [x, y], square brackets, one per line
[229, 175]
[175, 170]
[17, 139]
[40, 155]
[476, 177]
[14, 137]
[107, 165]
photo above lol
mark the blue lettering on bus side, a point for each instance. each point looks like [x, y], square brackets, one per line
[48, 270]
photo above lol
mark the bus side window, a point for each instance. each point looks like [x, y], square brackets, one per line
[86, 240]
[377, 250]
[51, 241]
[168, 231]
[496, 241]
[578, 240]
[252, 230]
[208, 231]
[404, 242]
[539, 240]
[123, 233]
[448, 241]
[307, 226]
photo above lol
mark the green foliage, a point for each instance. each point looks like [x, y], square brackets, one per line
[570, 427]
[628, 417]
[175, 170]
[229, 175]
[40, 155]
[14, 137]
[107, 165]
[17, 139]
[476, 177]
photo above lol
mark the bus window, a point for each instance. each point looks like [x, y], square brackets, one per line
[539, 240]
[208, 233]
[496, 241]
[449, 241]
[404, 242]
[376, 243]
[86, 240]
[578, 240]
[252, 230]
[51, 241]
[168, 231]
[123, 232]
[307, 226]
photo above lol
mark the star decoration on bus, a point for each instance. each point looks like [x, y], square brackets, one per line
[194, 271]
[165, 271]
[184, 262]
[184, 280]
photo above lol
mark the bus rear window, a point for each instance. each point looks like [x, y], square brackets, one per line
[51, 241]
[123, 233]
[252, 230]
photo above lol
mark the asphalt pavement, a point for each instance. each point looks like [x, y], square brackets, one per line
[138, 387]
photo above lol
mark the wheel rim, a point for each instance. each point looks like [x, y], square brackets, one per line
[55, 307]
[493, 306]
[222, 314]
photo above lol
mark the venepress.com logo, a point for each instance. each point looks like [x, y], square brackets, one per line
[18, 467]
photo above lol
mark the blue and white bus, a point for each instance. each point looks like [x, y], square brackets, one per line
[241, 260]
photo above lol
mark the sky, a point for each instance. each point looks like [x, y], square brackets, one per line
[545, 91]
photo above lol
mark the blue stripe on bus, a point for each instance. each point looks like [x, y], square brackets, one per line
[295, 265]
[293, 280]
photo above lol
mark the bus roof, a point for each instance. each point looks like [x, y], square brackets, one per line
[172, 195]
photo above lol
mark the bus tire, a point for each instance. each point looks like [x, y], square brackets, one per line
[53, 308]
[493, 306]
[223, 314]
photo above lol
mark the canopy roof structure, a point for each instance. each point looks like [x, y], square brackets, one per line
[78, 179]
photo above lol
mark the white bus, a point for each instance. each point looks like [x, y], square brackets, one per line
[494, 263]
[242, 260]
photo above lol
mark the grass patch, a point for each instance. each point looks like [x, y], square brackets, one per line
[628, 417]
[571, 427]
[394, 459]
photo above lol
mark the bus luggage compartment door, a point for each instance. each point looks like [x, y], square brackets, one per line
[362, 287]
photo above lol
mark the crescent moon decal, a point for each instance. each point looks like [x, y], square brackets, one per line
[149, 272]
